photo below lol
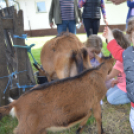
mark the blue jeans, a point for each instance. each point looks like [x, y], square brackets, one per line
[67, 24]
[116, 96]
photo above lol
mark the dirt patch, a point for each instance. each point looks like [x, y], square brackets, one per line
[115, 120]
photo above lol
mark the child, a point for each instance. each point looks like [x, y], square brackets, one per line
[94, 45]
[127, 57]
[117, 93]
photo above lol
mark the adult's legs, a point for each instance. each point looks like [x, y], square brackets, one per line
[96, 25]
[88, 26]
[62, 27]
[117, 96]
[72, 26]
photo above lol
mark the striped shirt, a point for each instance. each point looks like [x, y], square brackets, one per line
[67, 9]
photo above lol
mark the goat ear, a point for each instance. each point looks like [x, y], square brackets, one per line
[86, 59]
[73, 54]
[84, 52]
[97, 58]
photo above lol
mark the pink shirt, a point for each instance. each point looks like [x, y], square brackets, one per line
[121, 77]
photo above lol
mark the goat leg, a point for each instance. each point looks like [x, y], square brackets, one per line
[83, 123]
[98, 117]
[79, 129]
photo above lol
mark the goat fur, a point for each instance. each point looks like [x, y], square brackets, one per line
[62, 103]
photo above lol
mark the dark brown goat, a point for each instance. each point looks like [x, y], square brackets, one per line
[62, 103]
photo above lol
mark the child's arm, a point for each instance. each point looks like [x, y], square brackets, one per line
[115, 50]
[114, 73]
[132, 104]
[113, 47]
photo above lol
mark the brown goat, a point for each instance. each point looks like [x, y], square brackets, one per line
[62, 103]
[63, 56]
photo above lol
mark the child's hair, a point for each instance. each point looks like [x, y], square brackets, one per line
[121, 38]
[130, 27]
[95, 42]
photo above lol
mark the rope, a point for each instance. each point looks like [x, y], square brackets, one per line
[24, 36]
[10, 78]
[24, 86]
[28, 48]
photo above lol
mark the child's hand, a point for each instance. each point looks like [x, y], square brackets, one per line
[105, 21]
[107, 33]
[114, 82]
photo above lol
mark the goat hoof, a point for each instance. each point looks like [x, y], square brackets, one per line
[78, 131]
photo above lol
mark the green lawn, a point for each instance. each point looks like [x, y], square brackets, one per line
[7, 124]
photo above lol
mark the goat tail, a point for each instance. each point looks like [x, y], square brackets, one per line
[77, 57]
[5, 110]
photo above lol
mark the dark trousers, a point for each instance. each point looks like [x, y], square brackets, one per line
[91, 26]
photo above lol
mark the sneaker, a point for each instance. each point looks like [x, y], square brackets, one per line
[101, 102]
[131, 118]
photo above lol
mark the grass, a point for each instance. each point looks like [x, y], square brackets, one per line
[36, 54]
[7, 124]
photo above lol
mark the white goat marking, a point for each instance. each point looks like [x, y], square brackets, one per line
[10, 99]
[12, 112]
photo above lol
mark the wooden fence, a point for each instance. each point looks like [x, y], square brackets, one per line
[13, 59]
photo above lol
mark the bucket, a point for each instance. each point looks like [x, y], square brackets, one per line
[41, 79]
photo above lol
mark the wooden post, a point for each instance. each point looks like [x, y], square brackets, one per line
[13, 59]
[3, 67]
[26, 77]
[21, 53]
